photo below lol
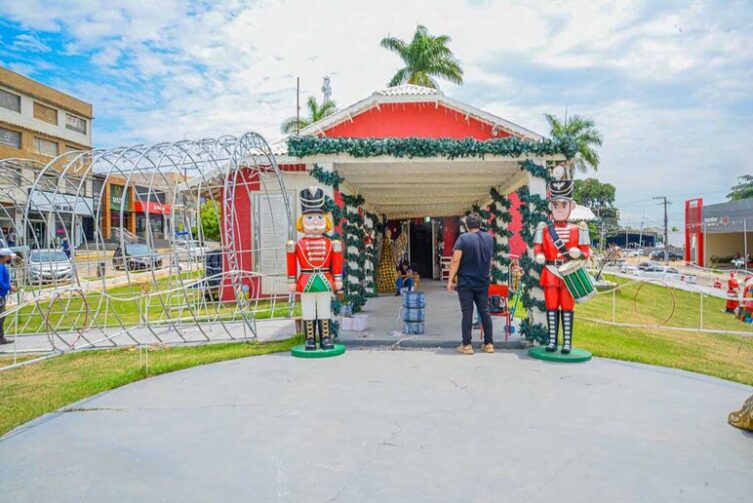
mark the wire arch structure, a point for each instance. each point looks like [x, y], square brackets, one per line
[184, 276]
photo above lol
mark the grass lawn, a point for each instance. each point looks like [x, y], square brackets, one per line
[719, 355]
[39, 388]
[125, 305]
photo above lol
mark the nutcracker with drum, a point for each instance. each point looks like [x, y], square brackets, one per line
[562, 247]
[315, 266]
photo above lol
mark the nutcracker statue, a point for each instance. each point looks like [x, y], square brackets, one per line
[315, 266]
[732, 293]
[562, 248]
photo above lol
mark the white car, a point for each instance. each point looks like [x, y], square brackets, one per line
[666, 273]
[191, 250]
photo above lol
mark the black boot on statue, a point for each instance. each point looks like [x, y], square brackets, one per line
[552, 320]
[325, 335]
[308, 330]
[567, 331]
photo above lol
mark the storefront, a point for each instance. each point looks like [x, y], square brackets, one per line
[53, 216]
[117, 211]
[718, 234]
[151, 218]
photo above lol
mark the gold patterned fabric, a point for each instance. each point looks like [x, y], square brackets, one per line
[743, 418]
[386, 273]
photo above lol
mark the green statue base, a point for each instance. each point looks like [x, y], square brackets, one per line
[299, 351]
[577, 355]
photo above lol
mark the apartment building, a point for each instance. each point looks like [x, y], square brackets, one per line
[38, 123]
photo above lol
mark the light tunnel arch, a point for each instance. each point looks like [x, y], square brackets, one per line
[160, 294]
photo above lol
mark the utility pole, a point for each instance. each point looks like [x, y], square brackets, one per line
[665, 203]
[297, 106]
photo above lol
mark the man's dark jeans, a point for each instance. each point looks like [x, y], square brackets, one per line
[479, 296]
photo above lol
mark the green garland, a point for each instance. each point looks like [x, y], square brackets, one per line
[450, 148]
[499, 209]
[370, 254]
[533, 209]
[329, 178]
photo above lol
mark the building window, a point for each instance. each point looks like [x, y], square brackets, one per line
[45, 147]
[45, 113]
[10, 101]
[144, 195]
[75, 123]
[10, 138]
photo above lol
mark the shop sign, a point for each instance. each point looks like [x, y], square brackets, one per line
[118, 198]
[153, 207]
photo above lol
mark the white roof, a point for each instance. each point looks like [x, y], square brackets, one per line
[582, 214]
[409, 90]
[410, 93]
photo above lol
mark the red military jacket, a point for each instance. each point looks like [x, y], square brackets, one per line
[574, 236]
[313, 259]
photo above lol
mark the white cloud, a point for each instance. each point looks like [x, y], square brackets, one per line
[174, 68]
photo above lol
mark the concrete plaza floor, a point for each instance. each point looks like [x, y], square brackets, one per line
[442, 326]
[380, 425]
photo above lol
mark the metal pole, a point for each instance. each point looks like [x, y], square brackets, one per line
[297, 105]
[703, 262]
[701, 312]
[745, 243]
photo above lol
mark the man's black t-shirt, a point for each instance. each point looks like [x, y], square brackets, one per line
[475, 263]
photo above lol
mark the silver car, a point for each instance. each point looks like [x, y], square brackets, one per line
[43, 266]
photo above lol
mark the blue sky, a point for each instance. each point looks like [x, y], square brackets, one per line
[668, 83]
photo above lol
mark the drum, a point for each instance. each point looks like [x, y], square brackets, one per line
[577, 280]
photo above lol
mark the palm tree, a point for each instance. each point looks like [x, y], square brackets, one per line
[316, 113]
[426, 56]
[584, 131]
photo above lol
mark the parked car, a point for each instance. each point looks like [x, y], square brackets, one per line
[190, 250]
[47, 266]
[135, 257]
[21, 251]
[644, 265]
[666, 273]
[659, 255]
[212, 274]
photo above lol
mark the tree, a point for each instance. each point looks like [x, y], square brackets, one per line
[743, 190]
[425, 57]
[210, 222]
[586, 135]
[316, 113]
[599, 197]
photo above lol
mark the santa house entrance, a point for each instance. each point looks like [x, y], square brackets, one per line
[400, 169]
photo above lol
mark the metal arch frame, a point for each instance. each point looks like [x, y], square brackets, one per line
[64, 192]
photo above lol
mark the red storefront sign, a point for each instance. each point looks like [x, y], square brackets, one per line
[152, 207]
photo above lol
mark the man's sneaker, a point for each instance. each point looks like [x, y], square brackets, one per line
[3, 340]
[487, 348]
[465, 349]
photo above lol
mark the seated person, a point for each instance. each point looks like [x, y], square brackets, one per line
[404, 277]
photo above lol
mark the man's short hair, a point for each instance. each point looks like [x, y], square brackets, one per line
[473, 221]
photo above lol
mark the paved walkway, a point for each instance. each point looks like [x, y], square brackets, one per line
[392, 426]
[442, 327]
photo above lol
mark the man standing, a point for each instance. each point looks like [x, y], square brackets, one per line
[469, 275]
[6, 255]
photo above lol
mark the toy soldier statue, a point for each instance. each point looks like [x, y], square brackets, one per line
[318, 261]
[732, 293]
[556, 243]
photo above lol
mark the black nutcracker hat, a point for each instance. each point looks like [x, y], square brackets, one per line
[560, 188]
[312, 200]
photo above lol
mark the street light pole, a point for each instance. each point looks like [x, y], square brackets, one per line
[665, 203]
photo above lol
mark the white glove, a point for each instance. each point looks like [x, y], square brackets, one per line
[540, 258]
[575, 252]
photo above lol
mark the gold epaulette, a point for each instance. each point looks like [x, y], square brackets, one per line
[290, 246]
